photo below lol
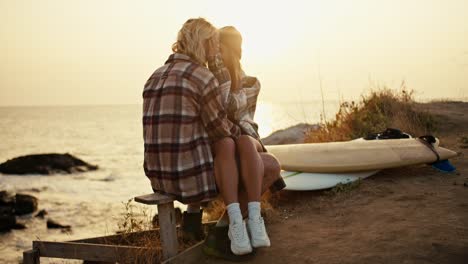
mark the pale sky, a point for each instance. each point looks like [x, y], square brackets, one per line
[62, 52]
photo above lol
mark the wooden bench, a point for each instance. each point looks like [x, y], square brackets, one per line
[166, 219]
[99, 248]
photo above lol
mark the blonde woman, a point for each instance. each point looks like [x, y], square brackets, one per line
[240, 103]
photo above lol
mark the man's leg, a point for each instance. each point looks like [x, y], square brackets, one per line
[192, 223]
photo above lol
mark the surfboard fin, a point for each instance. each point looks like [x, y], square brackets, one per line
[443, 166]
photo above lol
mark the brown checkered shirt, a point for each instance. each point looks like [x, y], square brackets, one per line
[183, 114]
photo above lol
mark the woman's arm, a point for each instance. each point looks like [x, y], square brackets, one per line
[251, 87]
[221, 73]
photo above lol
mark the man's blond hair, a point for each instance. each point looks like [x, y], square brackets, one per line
[192, 37]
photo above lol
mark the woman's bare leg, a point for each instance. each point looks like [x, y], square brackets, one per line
[271, 174]
[252, 173]
[227, 179]
[252, 169]
[226, 172]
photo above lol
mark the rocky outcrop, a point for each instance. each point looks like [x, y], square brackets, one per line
[25, 204]
[6, 198]
[45, 164]
[13, 205]
[290, 135]
[7, 218]
[7, 211]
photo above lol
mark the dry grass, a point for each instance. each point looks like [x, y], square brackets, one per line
[380, 109]
[138, 228]
[214, 210]
[134, 219]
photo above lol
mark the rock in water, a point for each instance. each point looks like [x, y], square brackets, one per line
[7, 211]
[12, 205]
[45, 164]
[7, 218]
[53, 224]
[7, 222]
[6, 198]
[25, 204]
[42, 213]
[19, 225]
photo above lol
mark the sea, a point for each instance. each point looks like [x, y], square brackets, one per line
[109, 136]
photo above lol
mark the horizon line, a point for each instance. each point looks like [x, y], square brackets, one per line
[426, 99]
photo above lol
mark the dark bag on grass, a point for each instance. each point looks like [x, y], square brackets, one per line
[389, 133]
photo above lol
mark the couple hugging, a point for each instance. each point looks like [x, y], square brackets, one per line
[201, 140]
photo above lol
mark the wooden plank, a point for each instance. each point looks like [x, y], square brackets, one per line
[31, 257]
[111, 239]
[130, 236]
[167, 225]
[106, 252]
[191, 255]
[154, 198]
[94, 252]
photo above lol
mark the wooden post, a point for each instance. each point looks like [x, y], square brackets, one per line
[167, 225]
[167, 221]
[31, 257]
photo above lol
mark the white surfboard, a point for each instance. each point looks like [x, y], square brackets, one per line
[307, 181]
[356, 155]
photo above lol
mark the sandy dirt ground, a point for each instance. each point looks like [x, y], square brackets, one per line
[407, 215]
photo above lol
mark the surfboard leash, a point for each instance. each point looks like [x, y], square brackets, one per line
[428, 141]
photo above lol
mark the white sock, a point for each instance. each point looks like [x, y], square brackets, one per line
[254, 210]
[193, 208]
[234, 213]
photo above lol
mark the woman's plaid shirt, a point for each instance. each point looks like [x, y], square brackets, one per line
[241, 105]
[183, 114]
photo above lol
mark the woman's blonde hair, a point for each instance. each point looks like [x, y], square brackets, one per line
[192, 37]
[230, 41]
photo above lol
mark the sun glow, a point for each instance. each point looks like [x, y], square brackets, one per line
[269, 32]
[263, 118]
[104, 49]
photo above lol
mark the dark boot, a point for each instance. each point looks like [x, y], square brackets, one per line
[278, 185]
[217, 244]
[192, 226]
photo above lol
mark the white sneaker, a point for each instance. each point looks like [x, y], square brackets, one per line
[258, 234]
[240, 243]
